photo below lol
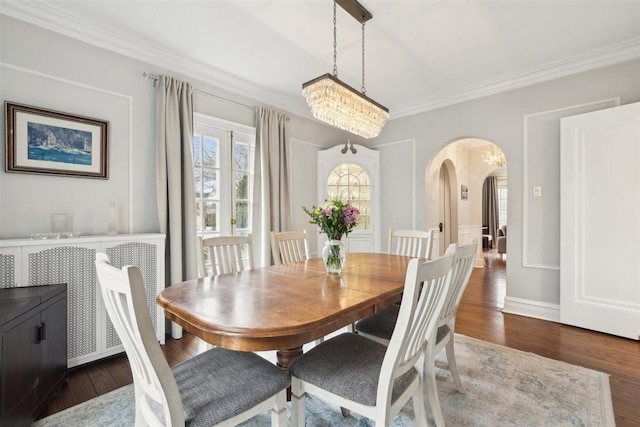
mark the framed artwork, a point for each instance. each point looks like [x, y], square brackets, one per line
[54, 143]
[464, 192]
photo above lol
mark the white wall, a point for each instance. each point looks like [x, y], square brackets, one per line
[500, 119]
[45, 69]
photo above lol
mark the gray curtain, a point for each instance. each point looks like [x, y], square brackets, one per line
[271, 201]
[490, 206]
[175, 180]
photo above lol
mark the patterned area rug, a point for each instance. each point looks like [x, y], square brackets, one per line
[504, 387]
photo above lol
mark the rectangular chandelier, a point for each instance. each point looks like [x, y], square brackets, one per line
[337, 103]
[340, 105]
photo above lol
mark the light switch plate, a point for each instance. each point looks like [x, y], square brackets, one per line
[537, 191]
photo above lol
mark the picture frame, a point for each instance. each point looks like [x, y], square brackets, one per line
[41, 141]
[464, 192]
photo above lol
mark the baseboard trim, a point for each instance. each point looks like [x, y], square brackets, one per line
[530, 308]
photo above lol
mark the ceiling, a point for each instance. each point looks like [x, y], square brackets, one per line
[420, 55]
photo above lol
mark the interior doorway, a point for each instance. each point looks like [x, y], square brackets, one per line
[454, 181]
[448, 217]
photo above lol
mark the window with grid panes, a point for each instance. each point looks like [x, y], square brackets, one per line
[350, 183]
[502, 201]
[223, 166]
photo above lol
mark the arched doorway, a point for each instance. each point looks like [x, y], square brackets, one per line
[461, 163]
[448, 206]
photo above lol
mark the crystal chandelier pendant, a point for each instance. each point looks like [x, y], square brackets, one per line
[338, 104]
[494, 157]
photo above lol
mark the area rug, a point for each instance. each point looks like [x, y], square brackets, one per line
[504, 387]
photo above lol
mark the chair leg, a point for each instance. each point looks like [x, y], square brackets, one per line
[453, 367]
[432, 393]
[297, 403]
[279, 411]
[418, 406]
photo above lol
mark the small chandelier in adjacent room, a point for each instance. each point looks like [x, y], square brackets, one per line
[338, 104]
[494, 156]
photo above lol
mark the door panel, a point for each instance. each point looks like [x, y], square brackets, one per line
[600, 221]
[359, 240]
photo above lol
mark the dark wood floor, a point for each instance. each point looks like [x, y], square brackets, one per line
[479, 316]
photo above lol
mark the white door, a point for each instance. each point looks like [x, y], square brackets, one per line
[600, 221]
[223, 156]
[353, 177]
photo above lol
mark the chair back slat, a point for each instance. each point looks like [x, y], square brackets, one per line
[413, 243]
[425, 289]
[289, 246]
[124, 296]
[226, 254]
[463, 261]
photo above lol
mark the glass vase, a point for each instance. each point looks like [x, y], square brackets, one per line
[334, 255]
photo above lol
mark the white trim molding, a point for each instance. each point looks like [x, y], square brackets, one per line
[56, 19]
[530, 308]
[610, 55]
[127, 98]
[466, 233]
[555, 114]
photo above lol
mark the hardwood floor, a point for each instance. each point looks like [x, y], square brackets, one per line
[479, 316]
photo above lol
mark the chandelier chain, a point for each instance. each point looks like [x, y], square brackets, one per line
[364, 91]
[335, 42]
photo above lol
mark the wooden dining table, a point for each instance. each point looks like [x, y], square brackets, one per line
[286, 306]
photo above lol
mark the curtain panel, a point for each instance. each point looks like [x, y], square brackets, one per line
[175, 178]
[490, 206]
[271, 198]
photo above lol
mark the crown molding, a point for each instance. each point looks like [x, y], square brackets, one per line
[610, 55]
[55, 19]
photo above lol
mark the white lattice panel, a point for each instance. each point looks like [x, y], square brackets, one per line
[144, 256]
[75, 267]
[91, 336]
[7, 271]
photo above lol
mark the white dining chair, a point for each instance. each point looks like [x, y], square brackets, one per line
[366, 377]
[225, 254]
[218, 387]
[413, 243]
[289, 246]
[380, 326]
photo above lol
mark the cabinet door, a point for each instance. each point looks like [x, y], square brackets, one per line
[20, 371]
[53, 346]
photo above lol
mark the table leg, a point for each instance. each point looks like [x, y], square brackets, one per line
[285, 357]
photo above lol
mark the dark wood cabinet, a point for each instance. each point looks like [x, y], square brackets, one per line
[33, 356]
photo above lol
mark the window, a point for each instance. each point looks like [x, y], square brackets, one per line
[502, 201]
[349, 182]
[223, 156]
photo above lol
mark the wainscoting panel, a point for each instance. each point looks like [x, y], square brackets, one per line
[541, 215]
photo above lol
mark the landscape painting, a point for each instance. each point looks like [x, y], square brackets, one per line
[56, 144]
[52, 142]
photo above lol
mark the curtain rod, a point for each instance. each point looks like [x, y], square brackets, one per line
[155, 78]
